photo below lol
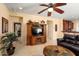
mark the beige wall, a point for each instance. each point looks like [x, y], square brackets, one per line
[3, 13]
[58, 33]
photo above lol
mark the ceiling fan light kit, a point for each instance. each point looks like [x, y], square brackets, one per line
[52, 7]
[50, 10]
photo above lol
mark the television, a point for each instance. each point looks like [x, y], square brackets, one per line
[36, 31]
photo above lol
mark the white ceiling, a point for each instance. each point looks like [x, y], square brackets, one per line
[71, 10]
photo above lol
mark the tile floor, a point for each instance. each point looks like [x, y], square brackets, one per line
[36, 50]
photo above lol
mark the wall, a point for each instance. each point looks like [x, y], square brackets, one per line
[4, 12]
[58, 33]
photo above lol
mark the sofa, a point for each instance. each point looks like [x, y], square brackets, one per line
[71, 42]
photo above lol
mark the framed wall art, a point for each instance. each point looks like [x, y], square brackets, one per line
[4, 25]
[17, 29]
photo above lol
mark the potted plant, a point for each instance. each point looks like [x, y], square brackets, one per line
[7, 43]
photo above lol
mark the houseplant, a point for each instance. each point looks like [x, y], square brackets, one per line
[7, 43]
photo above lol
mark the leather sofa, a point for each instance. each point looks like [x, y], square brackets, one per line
[71, 42]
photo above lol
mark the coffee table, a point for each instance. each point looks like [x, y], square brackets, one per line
[54, 50]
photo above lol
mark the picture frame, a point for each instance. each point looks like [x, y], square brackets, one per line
[4, 25]
[17, 29]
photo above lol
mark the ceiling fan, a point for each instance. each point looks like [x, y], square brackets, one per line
[53, 7]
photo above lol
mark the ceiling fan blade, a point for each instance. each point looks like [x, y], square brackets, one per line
[49, 14]
[43, 5]
[58, 10]
[42, 10]
[59, 4]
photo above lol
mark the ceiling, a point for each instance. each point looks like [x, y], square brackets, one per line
[71, 10]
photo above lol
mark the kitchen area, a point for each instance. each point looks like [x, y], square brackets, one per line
[71, 27]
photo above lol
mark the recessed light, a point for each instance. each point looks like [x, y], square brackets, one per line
[20, 8]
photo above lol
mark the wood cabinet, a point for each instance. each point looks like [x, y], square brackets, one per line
[32, 39]
[67, 25]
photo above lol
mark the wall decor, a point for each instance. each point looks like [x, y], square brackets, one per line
[55, 27]
[4, 25]
[17, 29]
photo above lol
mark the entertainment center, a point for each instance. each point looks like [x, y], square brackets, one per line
[36, 33]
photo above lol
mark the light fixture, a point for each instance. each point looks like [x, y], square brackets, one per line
[20, 8]
[50, 9]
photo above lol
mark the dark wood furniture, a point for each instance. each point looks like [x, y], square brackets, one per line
[53, 50]
[33, 40]
[67, 25]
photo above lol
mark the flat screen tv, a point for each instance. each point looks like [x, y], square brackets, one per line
[36, 31]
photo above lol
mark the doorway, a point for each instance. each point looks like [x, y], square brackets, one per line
[50, 31]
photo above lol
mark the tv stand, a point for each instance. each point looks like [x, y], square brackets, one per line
[32, 39]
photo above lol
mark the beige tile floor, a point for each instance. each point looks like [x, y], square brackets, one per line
[36, 50]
